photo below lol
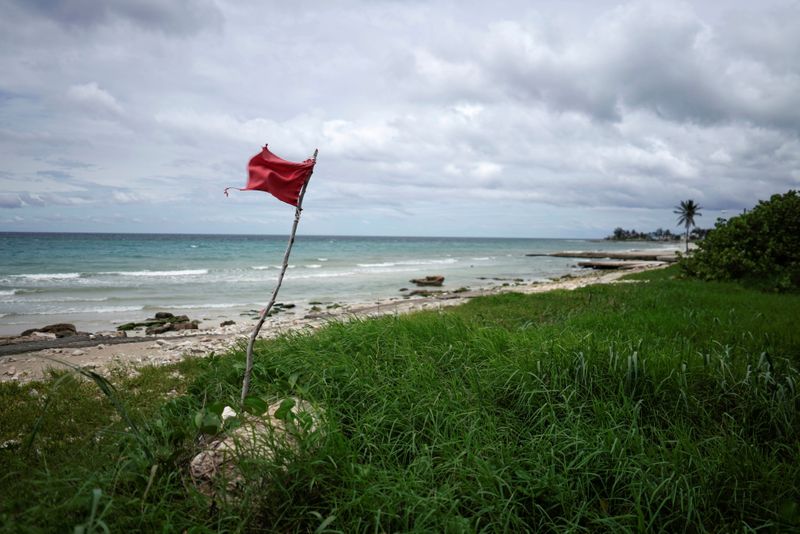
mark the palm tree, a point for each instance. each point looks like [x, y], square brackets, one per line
[687, 211]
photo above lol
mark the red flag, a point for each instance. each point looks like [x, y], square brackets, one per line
[282, 179]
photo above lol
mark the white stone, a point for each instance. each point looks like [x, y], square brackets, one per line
[78, 352]
[214, 470]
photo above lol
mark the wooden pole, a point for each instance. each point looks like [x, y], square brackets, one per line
[248, 370]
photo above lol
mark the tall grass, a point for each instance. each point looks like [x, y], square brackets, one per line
[665, 405]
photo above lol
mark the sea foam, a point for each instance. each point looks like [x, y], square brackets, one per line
[185, 272]
[48, 276]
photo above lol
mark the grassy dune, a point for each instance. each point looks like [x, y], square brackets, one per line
[662, 405]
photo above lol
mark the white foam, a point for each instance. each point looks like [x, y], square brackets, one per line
[446, 261]
[207, 306]
[322, 259]
[267, 267]
[384, 264]
[108, 309]
[185, 272]
[485, 258]
[313, 266]
[48, 276]
[321, 275]
[7, 292]
[62, 299]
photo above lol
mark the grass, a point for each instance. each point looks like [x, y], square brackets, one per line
[663, 405]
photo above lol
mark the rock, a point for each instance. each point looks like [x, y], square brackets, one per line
[163, 315]
[161, 343]
[187, 325]
[100, 346]
[60, 330]
[43, 335]
[227, 323]
[214, 470]
[119, 333]
[11, 371]
[159, 329]
[77, 352]
[435, 280]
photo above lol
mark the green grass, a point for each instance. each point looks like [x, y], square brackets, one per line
[664, 405]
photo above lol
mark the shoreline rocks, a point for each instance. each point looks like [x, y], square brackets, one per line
[161, 323]
[433, 280]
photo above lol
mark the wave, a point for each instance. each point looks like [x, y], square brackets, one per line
[322, 259]
[267, 267]
[185, 272]
[8, 292]
[447, 261]
[63, 299]
[313, 266]
[390, 270]
[384, 264]
[200, 306]
[47, 276]
[321, 275]
[485, 258]
[107, 309]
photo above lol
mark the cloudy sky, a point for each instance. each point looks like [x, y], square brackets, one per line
[520, 119]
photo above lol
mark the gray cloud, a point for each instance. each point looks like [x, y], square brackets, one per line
[424, 115]
[175, 16]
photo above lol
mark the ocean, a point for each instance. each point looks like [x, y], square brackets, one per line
[97, 281]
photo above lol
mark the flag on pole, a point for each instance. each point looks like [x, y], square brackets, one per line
[278, 177]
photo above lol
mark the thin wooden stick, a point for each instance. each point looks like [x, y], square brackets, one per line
[265, 312]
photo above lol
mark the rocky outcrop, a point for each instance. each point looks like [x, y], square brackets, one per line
[162, 322]
[435, 280]
[60, 330]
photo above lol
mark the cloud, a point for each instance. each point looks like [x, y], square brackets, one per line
[429, 116]
[10, 201]
[176, 16]
[91, 96]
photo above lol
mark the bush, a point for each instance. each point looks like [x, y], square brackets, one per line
[761, 247]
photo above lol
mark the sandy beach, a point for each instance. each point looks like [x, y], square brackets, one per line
[169, 348]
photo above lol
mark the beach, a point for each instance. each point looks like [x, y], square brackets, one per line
[138, 351]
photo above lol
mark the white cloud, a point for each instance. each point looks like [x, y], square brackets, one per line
[94, 98]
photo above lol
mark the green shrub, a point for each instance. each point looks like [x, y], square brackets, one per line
[761, 247]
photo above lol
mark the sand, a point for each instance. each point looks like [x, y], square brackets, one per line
[169, 348]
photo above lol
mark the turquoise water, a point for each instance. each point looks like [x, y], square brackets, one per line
[98, 280]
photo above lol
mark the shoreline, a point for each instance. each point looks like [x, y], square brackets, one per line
[99, 355]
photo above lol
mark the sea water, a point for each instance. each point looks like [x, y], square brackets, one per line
[96, 281]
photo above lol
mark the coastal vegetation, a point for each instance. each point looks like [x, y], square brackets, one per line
[659, 404]
[621, 234]
[686, 211]
[760, 247]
